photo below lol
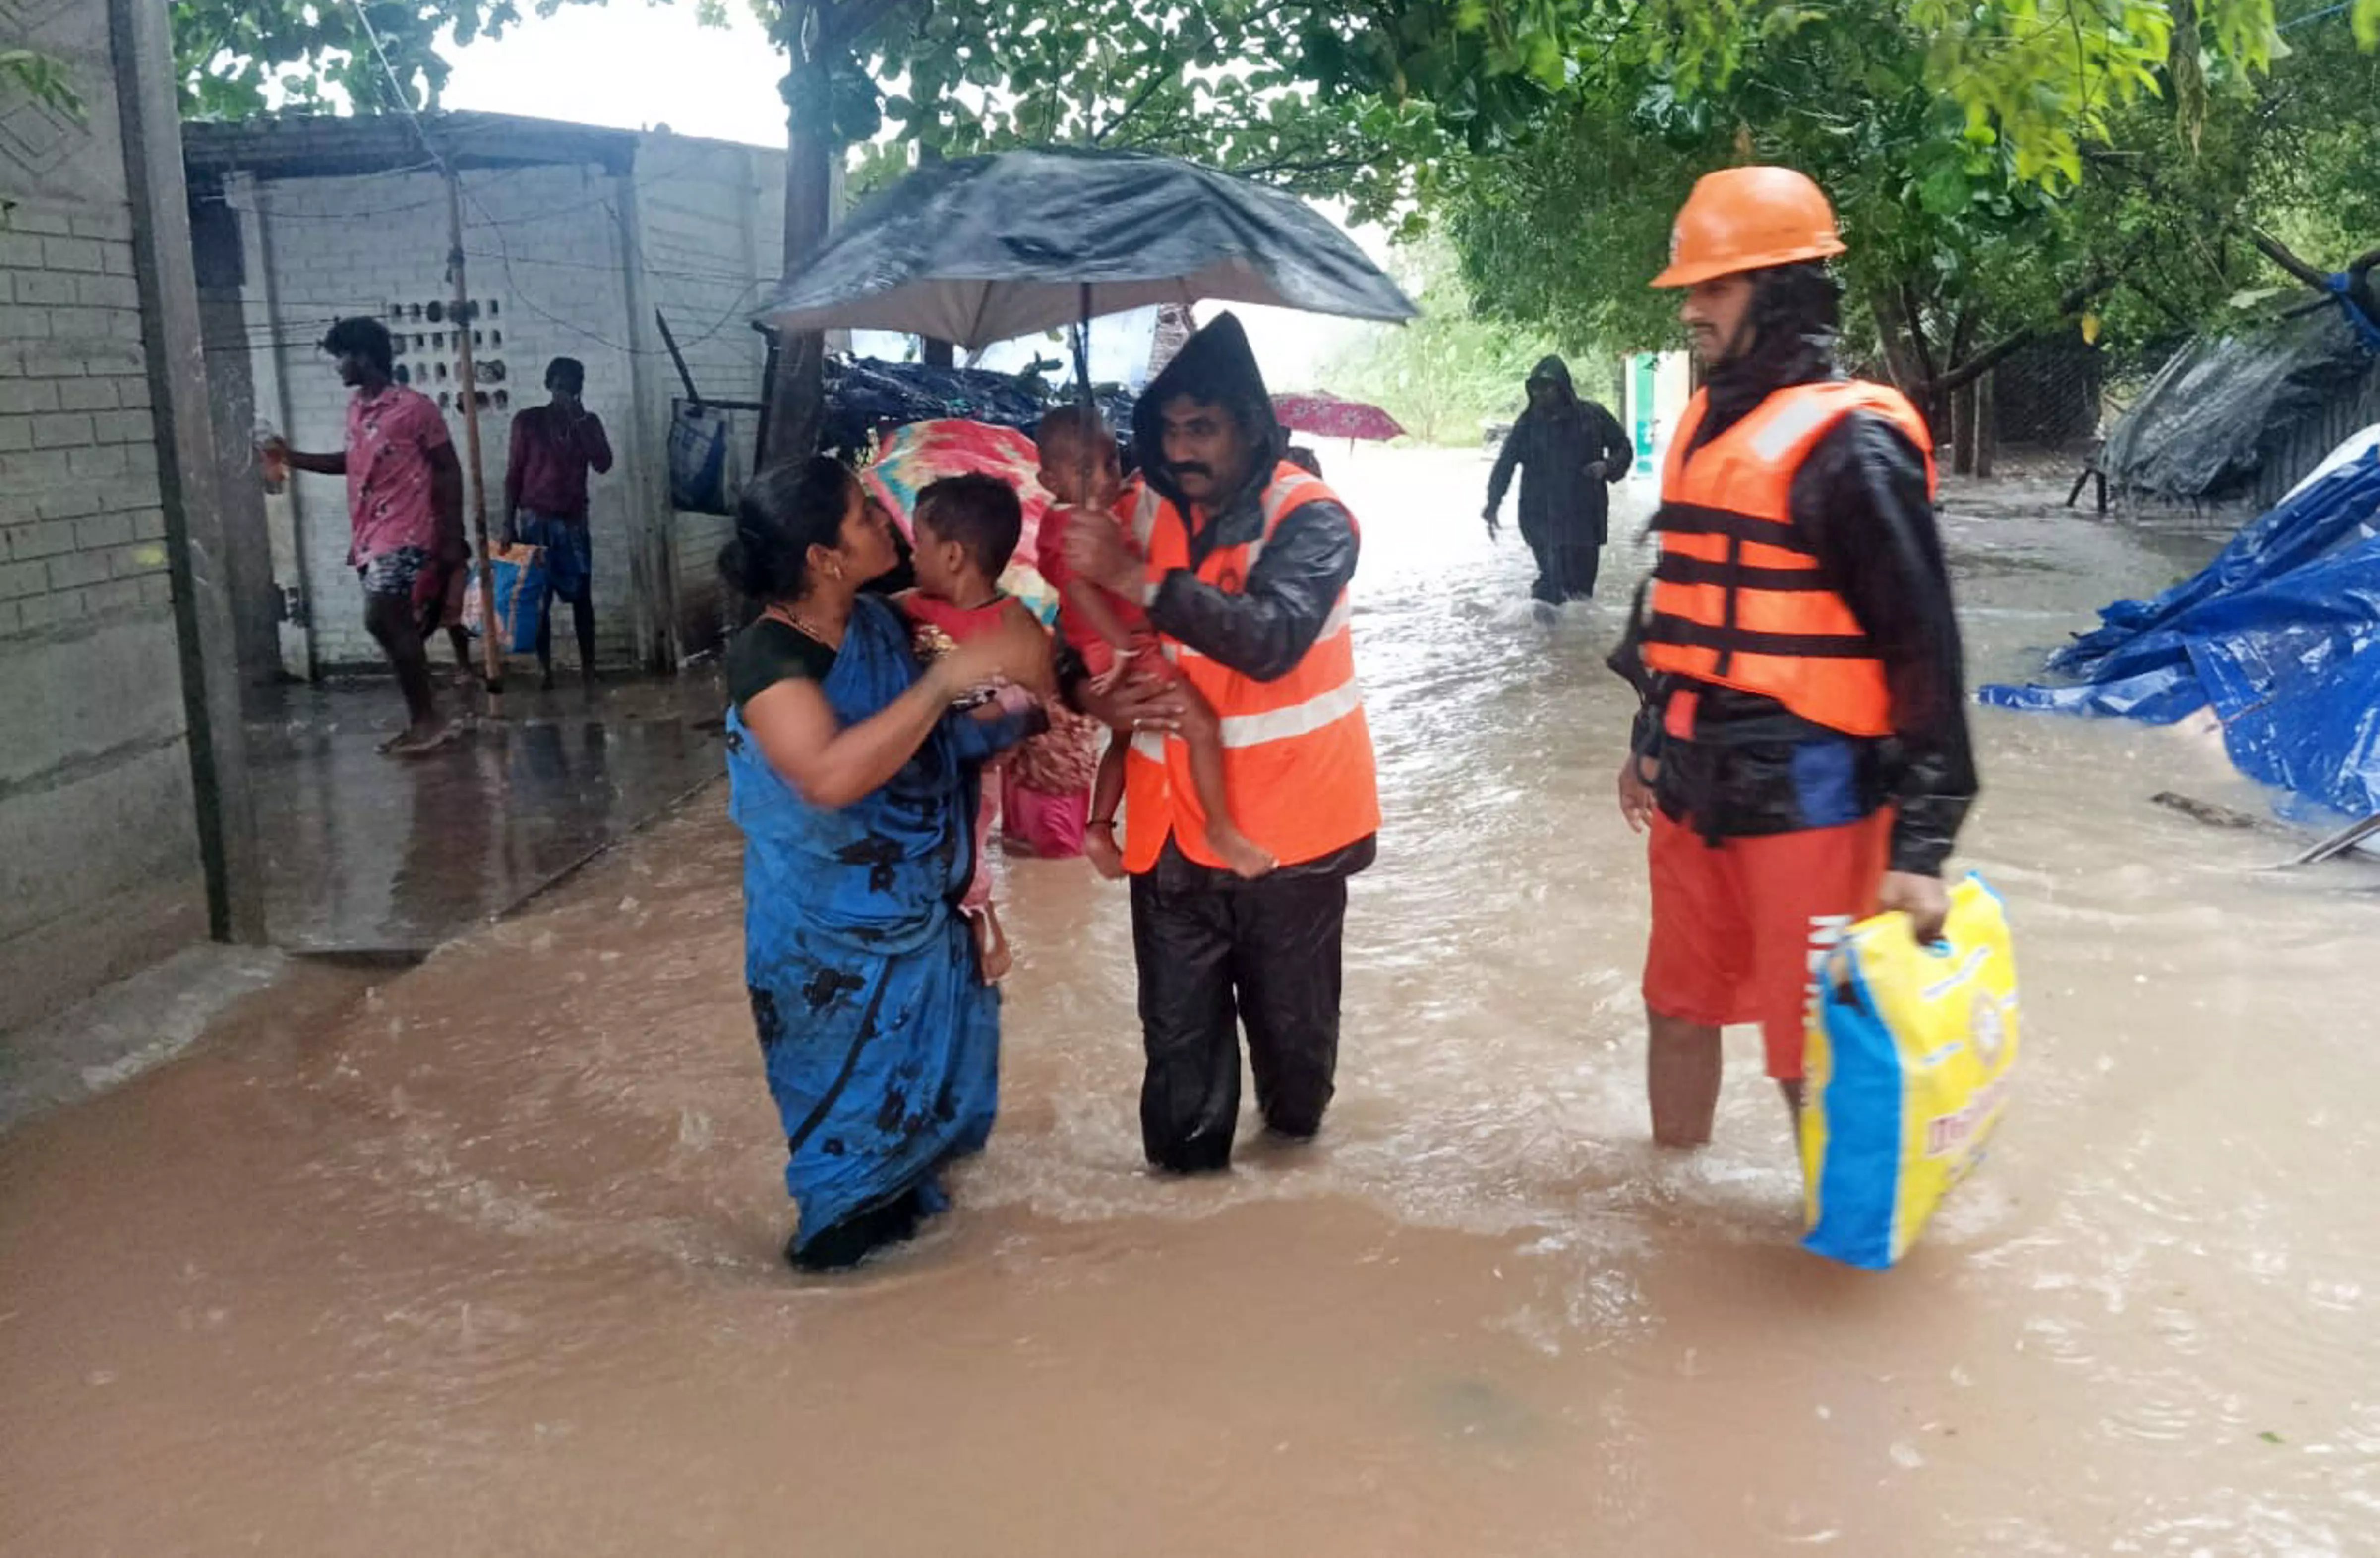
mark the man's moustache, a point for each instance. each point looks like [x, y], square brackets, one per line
[1190, 470]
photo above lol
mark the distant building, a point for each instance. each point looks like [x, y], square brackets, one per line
[574, 238]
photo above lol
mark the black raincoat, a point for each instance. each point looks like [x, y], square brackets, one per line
[1216, 952]
[1565, 508]
[1860, 500]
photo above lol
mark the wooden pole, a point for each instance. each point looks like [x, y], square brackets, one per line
[492, 658]
[1987, 424]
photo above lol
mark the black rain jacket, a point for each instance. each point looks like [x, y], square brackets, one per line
[1551, 448]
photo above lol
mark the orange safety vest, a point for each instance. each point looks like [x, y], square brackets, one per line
[1297, 752]
[1739, 599]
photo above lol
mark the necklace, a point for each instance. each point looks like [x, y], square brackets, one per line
[786, 615]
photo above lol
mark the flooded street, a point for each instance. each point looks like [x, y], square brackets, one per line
[482, 1258]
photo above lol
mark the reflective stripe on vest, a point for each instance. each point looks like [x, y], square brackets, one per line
[1739, 599]
[1297, 750]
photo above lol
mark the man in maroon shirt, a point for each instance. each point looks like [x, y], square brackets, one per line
[554, 447]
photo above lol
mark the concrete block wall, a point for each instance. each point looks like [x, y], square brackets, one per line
[543, 253]
[102, 863]
[713, 234]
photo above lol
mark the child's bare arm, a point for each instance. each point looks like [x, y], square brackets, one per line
[1033, 642]
[1097, 608]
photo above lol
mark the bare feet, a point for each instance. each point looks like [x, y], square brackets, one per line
[1244, 857]
[420, 739]
[1099, 848]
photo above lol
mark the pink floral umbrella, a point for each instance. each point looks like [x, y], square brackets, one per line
[1326, 416]
[923, 452]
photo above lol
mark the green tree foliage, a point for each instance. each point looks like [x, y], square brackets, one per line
[1450, 371]
[1963, 240]
[1976, 146]
[237, 56]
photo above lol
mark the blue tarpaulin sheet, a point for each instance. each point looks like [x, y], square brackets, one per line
[2279, 636]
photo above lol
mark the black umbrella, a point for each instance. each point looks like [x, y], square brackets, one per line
[989, 249]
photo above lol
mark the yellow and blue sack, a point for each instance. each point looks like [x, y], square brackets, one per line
[1909, 1057]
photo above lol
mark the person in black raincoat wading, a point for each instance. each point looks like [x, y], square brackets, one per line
[1243, 570]
[1568, 451]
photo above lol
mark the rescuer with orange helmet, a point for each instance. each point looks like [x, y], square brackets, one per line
[1801, 758]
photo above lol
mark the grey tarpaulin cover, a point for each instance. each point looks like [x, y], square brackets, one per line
[2200, 428]
[989, 249]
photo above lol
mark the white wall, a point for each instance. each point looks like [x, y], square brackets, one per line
[712, 229]
[542, 255]
[568, 261]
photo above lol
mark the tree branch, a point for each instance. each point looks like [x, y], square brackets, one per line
[2358, 285]
[1292, 167]
[1157, 81]
[849, 21]
[1915, 319]
[2158, 301]
[1999, 351]
[2280, 255]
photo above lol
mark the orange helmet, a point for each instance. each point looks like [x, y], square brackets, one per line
[1748, 219]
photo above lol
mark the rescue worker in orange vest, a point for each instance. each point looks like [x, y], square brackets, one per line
[1801, 758]
[1242, 567]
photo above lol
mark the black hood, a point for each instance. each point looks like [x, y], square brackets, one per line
[1214, 366]
[1554, 372]
[1792, 322]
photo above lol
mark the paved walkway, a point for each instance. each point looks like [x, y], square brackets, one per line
[384, 857]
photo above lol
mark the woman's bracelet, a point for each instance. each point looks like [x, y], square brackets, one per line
[1101, 822]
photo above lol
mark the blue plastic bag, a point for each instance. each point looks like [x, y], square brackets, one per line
[701, 467]
[520, 597]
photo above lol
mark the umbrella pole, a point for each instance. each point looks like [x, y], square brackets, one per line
[1083, 383]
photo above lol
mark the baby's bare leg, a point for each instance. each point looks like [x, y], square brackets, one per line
[1107, 792]
[1204, 735]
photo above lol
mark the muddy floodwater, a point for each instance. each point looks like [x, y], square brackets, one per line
[482, 1258]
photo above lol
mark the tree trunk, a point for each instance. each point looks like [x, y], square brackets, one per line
[1962, 398]
[1987, 425]
[797, 397]
[1892, 334]
[1962, 431]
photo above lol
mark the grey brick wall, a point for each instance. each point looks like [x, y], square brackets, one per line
[96, 799]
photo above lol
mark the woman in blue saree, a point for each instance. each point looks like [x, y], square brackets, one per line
[853, 779]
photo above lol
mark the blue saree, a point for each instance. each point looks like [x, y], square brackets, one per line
[880, 1041]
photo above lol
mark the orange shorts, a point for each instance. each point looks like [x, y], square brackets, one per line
[1741, 926]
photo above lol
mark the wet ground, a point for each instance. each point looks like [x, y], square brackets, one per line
[483, 1258]
[386, 857]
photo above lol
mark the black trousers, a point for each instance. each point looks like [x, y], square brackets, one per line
[1216, 952]
[1565, 571]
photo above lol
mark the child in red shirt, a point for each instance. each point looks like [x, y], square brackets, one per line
[967, 529]
[1114, 637]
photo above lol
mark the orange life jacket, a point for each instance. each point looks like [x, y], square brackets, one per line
[1297, 752]
[1739, 599]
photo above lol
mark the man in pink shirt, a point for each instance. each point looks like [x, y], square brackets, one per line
[405, 510]
[554, 447]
